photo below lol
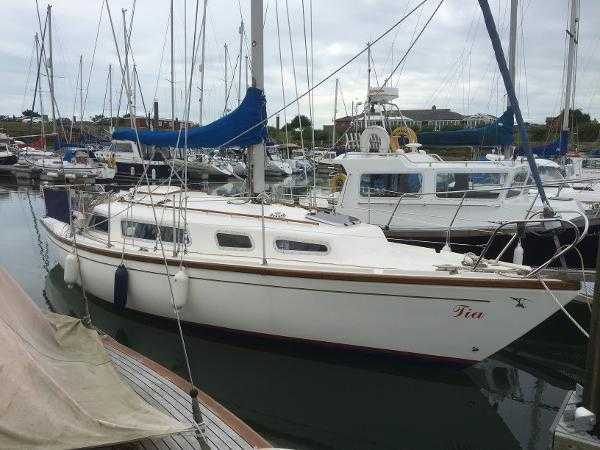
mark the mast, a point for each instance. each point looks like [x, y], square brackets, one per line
[368, 103]
[256, 152]
[510, 90]
[573, 37]
[110, 95]
[246, 58]
[135, 88]
[337, 81]
[51, 68]
[512, 43]
[80, 92]
[225, 109]
[202, 62]
[127, 79]
[39, 61]
[241, 30]
[172, 74]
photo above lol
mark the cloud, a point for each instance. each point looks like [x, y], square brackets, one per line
[452, 65]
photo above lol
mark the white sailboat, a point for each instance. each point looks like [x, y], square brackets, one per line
[250, 266]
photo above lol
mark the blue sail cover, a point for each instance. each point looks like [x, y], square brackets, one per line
[234, 129]
[550, 150]
[500, 132]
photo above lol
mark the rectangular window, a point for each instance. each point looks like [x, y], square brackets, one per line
[478, 184]
[389, 184]
[517, 184]
[234, 240]
[298, 246]
[149, 232]
[99, 223]
[121, 147]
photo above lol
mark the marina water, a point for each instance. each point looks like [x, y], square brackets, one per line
[304, 397]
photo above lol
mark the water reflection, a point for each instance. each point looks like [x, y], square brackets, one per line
[301, 396]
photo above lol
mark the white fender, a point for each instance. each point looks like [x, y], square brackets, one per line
[181, 287]
[518, 254]
[153, 173]
[71, 270]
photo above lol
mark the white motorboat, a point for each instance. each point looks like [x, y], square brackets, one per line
[131, 162]
[314, 277]
[7, 156]
[76, 163]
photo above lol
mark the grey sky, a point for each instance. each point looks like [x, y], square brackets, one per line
[452, 65]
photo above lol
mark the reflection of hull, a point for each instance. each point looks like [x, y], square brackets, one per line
[156, 169]
[8, 160]
[204, 170]
[302, 398]
[398, 314]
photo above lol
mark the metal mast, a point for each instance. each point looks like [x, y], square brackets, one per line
[39, 61]
[368, 103]
[241, 30]
[335, 101]
[573, 36]
[127, 79]
[51, 68]
[110, 95]
[512, 43]
[256, 152]
[172, 74]
[202, 63]
[226, 55]
[80, 91]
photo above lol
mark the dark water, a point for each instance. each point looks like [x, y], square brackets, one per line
[309, 398]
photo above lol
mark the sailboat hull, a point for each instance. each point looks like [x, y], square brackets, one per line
[436, 317]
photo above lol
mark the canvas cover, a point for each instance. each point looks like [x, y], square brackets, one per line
[500, 132]
[244, 126]
[59, 388]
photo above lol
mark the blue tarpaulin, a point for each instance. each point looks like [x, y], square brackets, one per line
[233, 130]
[551, 150]
[500, 132]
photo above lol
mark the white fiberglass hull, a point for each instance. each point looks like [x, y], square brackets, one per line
[441, 317]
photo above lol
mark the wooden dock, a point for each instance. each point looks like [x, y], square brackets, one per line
[168, 393]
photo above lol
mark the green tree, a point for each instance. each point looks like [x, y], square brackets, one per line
[295, 123]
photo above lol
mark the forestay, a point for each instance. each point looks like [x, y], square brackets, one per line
[244, 126]
[59, 388]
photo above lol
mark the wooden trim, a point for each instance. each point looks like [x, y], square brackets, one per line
[230, 419]
[212, 211]
[504, 283]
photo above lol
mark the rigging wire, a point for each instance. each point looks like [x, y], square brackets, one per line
[287, 141]
[339, 68]
[287, 11]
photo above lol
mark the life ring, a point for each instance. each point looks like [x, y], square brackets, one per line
[402, 131]
[337, 182]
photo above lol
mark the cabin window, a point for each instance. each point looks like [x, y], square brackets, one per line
[299, 246]
[121, 147]
[149, 232]
[517, 184]
[229, 240]
[479, 184]
[389, 184]
[99, 223]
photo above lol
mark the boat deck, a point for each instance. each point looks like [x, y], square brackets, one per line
[169, 393]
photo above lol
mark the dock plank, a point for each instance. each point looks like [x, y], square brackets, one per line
[163, 393]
